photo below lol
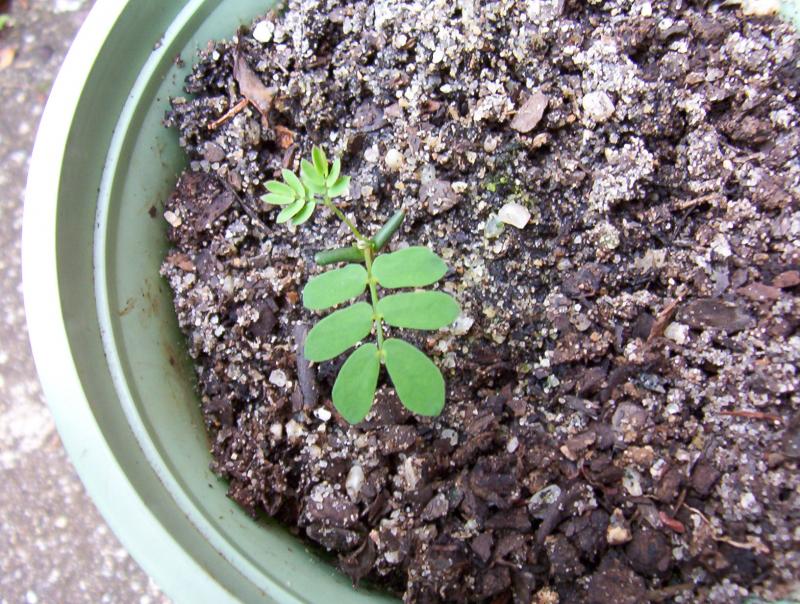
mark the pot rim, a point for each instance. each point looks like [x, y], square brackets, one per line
[120, 503]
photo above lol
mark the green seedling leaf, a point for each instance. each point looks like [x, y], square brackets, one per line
[418, 382]
[338, 331]
[339, 187]
[281, 188]
[355, 385]
[419, 310]
[335, 287]
[309, 173]
[291, 211]
[294, 182]
[304, 214]
[410, 267]
[320, 161]
[333, 176]
[277, 200]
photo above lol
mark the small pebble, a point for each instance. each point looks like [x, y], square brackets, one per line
[598, 105]
[323, 414]
[677, 332]
[173, 219]
[394, 159]
[278, 377]
[514, 214]
[263, 31]
[494, 227]
[354, 481]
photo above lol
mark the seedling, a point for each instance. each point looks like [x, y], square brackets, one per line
[417, 380]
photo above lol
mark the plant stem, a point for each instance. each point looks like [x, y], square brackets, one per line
[373, 293]
[327, 201]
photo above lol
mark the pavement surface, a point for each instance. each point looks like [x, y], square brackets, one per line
[54, 546]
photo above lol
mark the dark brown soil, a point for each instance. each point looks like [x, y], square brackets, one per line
[622, 422]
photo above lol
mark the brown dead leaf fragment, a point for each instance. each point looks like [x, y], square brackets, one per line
[662, 320]
[252, 88]
[530, 114]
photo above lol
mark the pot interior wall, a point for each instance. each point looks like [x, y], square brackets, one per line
[130, 355]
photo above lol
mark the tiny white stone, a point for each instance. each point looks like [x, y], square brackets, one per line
[438, 55]
[459, 186]
[394, 159]
[294, 430]
[747, 500]
[31, 597]
[513, 444]
[323, 414]
[173, 219]
[677, 332]
[276, 430]
[354, 481]
[371, 154]
[278, 377]
[647, 10]
[514, 214]
[598, 105]
[462, 325]
[263, 31]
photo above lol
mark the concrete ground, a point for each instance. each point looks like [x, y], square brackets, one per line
[54, 546]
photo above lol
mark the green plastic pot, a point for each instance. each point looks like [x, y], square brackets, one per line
[105, 339]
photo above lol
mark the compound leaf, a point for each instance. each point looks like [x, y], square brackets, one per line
[334, 287]
[338, 331]
[304, 214]
[355, 385]
[294, 182]
[320, 161]
[418, 382]
[339, 187]
[410, 267]
[419, 310]
[291, 211]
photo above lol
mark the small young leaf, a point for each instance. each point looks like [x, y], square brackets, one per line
[294, 182]
[280, 188]
[276, 199]
[310, 174]
[410, 267]
[355, 385]
[419, 310]
[320, 161]
[304, 214]
[335, 287]
[339, 254]
[388, 230]
[339, 187]
[418, 382]
[338, 331]
[331, 178]
[290, 211]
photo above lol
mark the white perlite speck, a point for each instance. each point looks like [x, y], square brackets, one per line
[323, 414]
[263, 31]
[394, 159]
[514, 214]
[354, 482]
[598, 105]
[677, 332]
[173, 219]
[278, 377]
